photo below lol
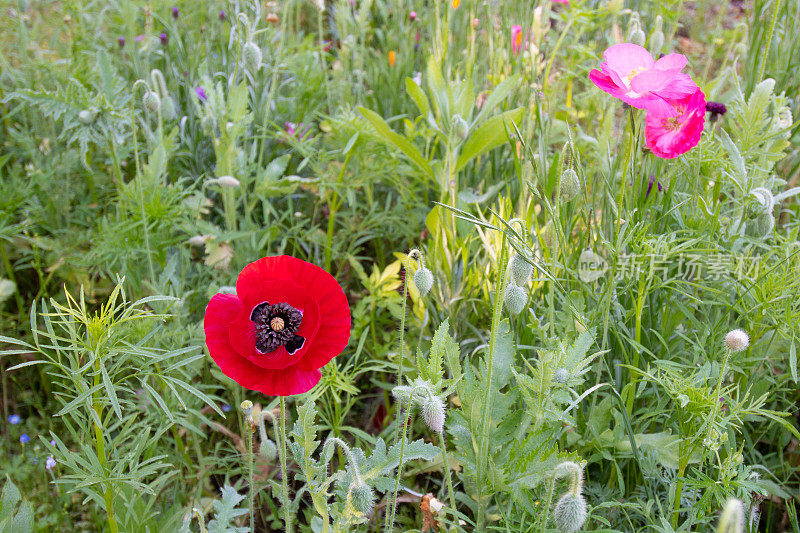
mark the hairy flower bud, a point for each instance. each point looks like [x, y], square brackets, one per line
[521, 269]
[656, 41]
[86, 117]
[762, 226]
[151, 101]
[732, 518]
[168, 108]
[362, 497]
[227, 181]
[268, 450]
[561, 375]
[515, 299]
[423, 279]
[433, 413]
[737, 340]
[460, 127]
[570, 513]
[570, 185]
[252, 56]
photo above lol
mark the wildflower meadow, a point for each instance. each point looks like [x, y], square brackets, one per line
[399, 266]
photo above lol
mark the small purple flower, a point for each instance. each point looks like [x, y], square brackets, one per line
[221, 15]
[50, 463]
[163, 38]
[24, 438]
[201, 93]
[226, 408]
[139, 38]
[14, 420]
[175, 12]
[52, 443]
[716, 110]
[722, 406]
[121, 42]
[650, 185]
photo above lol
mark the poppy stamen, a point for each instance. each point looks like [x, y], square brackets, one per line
[277, 325]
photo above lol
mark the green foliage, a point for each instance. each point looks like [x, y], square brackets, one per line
[16, 514]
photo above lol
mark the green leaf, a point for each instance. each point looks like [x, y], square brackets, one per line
[14, 519]
[418, 95]
[489, 135]
[398, 141]
[498, 95]
[503, 355]
[793, 360]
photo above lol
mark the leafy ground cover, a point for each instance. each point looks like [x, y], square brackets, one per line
[545, 271]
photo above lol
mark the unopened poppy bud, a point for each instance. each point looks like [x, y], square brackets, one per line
[86, 117]
[521, 269]
[515, 299]
[412, 16]
[656, 41]
[569, 514]
[246, 407]
[737, 340]
[168, 108]
[732, 518]
[561, 375]
[460, 127]
[227, 181]
[362, 497]
[762, 226]
[433, 413]
[151, 101]
[252, 56]
[423, 279]
[198, 240]
[268, 450]
[570, 185]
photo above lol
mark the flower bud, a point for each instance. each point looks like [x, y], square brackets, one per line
[168, 108]
[762, 226]
[737, 340]
[570, 185]
[732, 518]
[86, 117]
[570, 513]
[521, 269]
[656, 41]
[198, 240]
[227, 181]
[423, 279]
[151, 101]
[460, 127]
[515, 299]
[246, 407]
[268, 450]
[433, 413]
[362, 497]
[561, 375]
[252, 56]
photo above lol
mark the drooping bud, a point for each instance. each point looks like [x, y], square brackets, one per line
[737, 340]
[570, 513]
[656, 41]
[433, 413]
[460, 127]
[423, 279]
[362, 497]
[515, 299]
[635, 33]
[268, 450]
[570, 185]
[521, 269]
[86, 117]
[151, 101]
[252, 56]
[732, 518]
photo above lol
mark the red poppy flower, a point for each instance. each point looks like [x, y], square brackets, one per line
[287, 319]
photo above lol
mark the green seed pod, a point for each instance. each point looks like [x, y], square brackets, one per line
[362, 497]
[151, 101]
[86, 117]
[460, 127]
[521, 269]
[252, 56]
[570, 513]
[570, 185]
[423, 279]
[515, 299]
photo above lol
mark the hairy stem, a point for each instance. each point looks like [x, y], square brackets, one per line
[287, 512]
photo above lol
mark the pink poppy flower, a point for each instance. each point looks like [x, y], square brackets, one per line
[631, 74]
[561, 1]
[671, 136]
[516, 38]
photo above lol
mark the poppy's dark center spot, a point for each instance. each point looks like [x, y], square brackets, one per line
[277, 325]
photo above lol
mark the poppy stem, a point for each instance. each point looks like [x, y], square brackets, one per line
[250, 487]
[284, 479]
[392, 503]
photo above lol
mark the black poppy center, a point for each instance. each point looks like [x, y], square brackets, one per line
[277, 325]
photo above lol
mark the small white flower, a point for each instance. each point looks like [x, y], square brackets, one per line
[737, 340]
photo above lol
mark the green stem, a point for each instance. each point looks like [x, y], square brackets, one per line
[447, 475]
[139, 178]
[772, 23]
[483, 457]
[287, 516]
[100, 449]
[402, 332]
[251, 490]
[389, 525]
